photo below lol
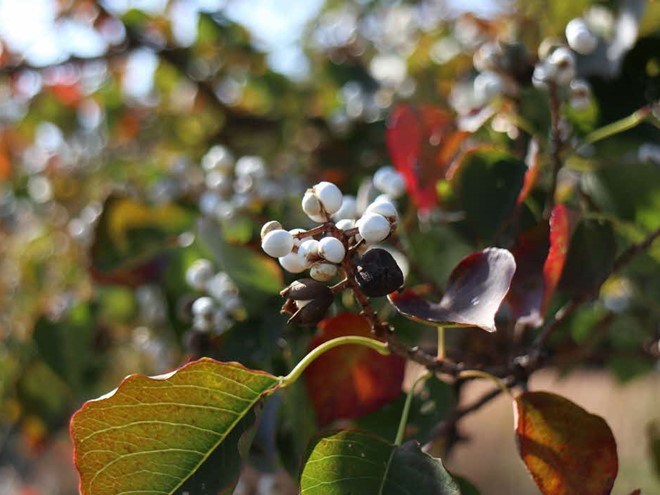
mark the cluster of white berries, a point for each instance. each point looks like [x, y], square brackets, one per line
[232, 185]
[322, 252]
[221, 306]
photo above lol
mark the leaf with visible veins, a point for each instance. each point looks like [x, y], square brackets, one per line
[153, 434]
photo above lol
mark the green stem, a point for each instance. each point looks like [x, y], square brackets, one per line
[482, 374]
[406, 408]
[618, 126]
[441, 343]
[298, 370]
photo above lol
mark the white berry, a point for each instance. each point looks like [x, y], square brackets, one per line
[218, 158]
[203, 306]
[561, 65]
[373, 227]
[580, 38]
[312, 206]
[329, 195]
[348, 208]
[199, 273]
[487, 86]
[270, 226]
[309, 250]
[345, 224]
[395, 186]
[332, 249]
[277, 243]
[383, 207]
[323, 272]
[293, 262]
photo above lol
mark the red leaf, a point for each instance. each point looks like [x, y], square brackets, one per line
[566, 449]
[350, 381]
[422, 143]
[540, 255]
[474, 293]
[560, 234]
[527, 286]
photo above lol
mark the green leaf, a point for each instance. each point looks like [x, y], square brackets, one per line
[347, 462]
[252, 272]
[131, 238]
[566, 449]
[66, 346]
[152, 434]
[487, 184]
[590, 257]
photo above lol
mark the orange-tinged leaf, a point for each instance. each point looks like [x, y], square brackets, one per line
[150, 435]
[560, 235]
[566, 449]
[351, 381]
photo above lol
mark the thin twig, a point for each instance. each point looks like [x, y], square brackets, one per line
[555, 147]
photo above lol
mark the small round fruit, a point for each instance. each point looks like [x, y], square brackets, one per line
[323, 272]
[332, 249]
[203, 306]
[580, 38]
[373, 227]
[277, 243]
[329, 195]
[293, 263]
[378, 273]
[309, 250]
[384, 208]
[311, 205]
[345, 224]
[199, 273]
[269, 227]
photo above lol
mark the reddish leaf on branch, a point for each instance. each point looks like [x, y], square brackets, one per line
[350, 381]
[540, 255]
[560, 234]
[566, 449]
[422, 143]
[475, 290]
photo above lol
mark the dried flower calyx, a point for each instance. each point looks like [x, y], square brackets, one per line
[307, 301]
[378, 273]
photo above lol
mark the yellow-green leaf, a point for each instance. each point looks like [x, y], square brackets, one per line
[151, 434]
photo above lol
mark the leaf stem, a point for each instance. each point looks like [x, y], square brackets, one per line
[441, 343]
[298, 370]
[618, 126]
[406, 408]
[482, 374]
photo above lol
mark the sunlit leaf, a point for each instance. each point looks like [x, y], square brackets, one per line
[151, 434]
[422, 143]
[560, 235]
[566, 449]
[475, 290]
[350, 381]
[349, 462]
